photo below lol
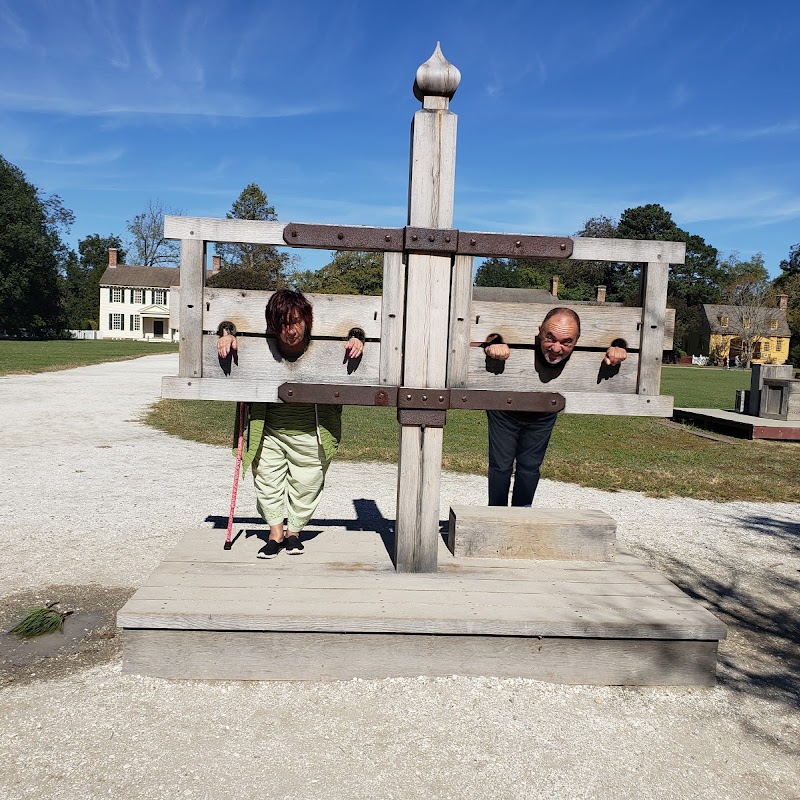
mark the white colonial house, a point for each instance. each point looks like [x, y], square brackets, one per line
[134, 301]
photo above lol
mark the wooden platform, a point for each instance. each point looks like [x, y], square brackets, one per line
[734, 423]
[340, 611]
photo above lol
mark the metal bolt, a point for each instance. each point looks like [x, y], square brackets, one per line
[463, 398]
[408, 397]
[294, 233]
[430, 237]
[336, 394]
[473, 242]
[387, 238]
[290, 392]
[447, 238]
[191, 233]
[414, 236]
[508, 400]
[552, 402]
[518, 243]
[562, 246]
[424, 397]
[340, 236]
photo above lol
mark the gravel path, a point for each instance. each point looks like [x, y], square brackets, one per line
[91, 499]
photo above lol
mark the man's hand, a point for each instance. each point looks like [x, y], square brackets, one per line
[353, 348]
[225, 344]
[499, 352]
[615, 356]
[496, 348]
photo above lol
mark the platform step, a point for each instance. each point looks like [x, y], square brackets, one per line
[539, 533]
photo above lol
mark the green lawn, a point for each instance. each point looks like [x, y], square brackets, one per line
[24, 357]
[610, 453]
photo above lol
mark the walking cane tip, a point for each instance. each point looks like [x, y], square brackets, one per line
[228, 545]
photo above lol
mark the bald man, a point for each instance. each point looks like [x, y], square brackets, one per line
[523, 436]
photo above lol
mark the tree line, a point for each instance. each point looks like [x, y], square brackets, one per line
[45, 287]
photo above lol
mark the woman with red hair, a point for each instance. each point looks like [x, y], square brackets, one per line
[290, 445]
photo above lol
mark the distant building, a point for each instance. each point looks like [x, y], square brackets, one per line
[723, 328]
[134, 301]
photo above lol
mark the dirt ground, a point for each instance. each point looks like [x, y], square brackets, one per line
[90, 502]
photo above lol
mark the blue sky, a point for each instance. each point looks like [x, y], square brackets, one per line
[566, 110]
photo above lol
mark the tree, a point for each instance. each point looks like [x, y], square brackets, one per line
[788, 283]
[750, 299]
[251, 266]
[32, 255]
[82, 279]
[349, 272]
[148, 247]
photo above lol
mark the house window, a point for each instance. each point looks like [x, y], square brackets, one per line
[723, 322]
[137, 296]
[773, 324]
[117, 321]
[160, 296]
[136, 322]
[765, 347]
[746, 323]
[117, 295]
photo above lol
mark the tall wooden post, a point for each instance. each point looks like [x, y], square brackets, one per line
[430, 205]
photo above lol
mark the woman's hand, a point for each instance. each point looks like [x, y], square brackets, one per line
[225, 344]
[353, 348]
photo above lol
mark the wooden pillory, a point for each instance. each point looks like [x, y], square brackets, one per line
[423, 357]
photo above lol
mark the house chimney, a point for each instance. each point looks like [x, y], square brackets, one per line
[783, 301]
[601, 294]
[216, 262]
[554, 286]
[112, 256]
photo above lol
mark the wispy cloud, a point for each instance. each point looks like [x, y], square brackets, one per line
[84, 159]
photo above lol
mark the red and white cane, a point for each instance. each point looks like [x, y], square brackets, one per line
[237, 469]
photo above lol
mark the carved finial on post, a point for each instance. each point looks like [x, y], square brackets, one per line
[437, 80]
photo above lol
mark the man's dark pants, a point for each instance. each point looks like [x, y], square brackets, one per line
[522, 437]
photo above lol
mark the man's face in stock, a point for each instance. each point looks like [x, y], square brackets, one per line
[558, 337]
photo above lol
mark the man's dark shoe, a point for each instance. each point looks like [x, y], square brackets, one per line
[270, 549]
[294, 546]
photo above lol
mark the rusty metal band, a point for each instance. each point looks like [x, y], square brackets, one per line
[449, 241]
[493, 400]
[421, 417]
[338, 394]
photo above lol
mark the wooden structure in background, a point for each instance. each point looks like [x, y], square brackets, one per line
[343, 610]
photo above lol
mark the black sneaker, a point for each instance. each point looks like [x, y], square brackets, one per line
[294, 546]
[270, 549]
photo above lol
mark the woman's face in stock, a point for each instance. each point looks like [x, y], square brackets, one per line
[293, 332]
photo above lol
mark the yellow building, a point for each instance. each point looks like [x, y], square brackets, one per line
[729, 331]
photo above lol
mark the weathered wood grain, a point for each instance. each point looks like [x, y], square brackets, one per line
[582, 372]
[205, 655]
[193, 271]
[208, 229]
[502, 532]
[323, 362]
[392, 316]
[633, 251]
[654, 302]
[460, 317]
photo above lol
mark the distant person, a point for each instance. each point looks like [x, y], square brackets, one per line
[737, 362]
[522, 437]
[290, 445]
[727, 362]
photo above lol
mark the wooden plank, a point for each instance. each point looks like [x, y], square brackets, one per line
[495, 532]
[623, 405]
[323, 362]
[639, 618]
[392, 316]
[334, 314]
[259, 578]
[193, 272]
[203, 655]
[460, 316]
[208, 229]
[431, 192]
[636, 251]
[518, 323]
[654, 301]
[525, 371]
